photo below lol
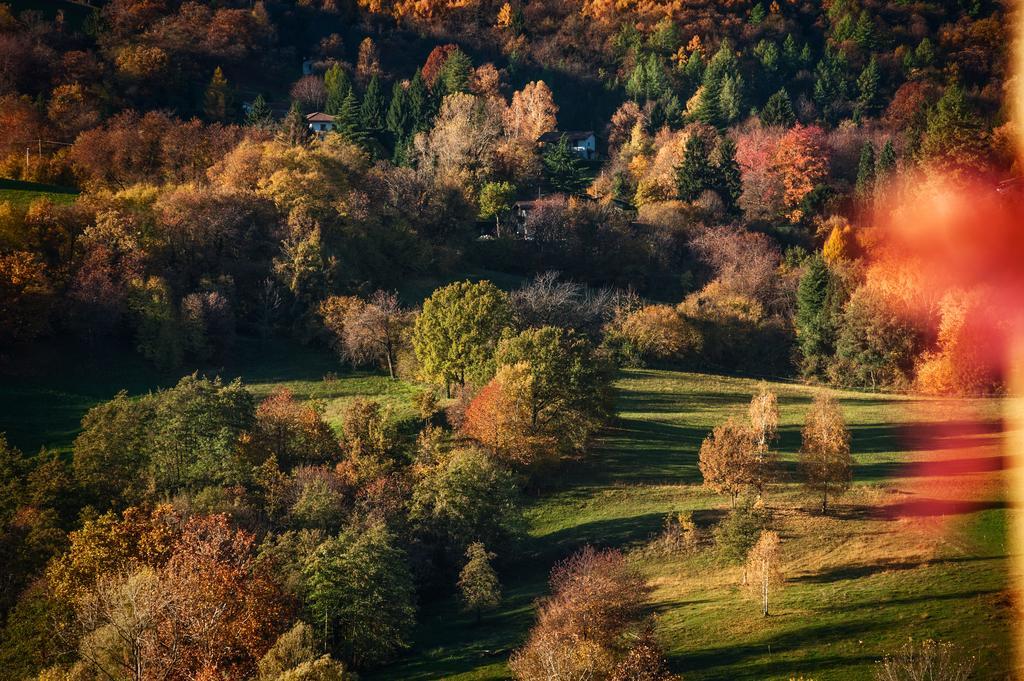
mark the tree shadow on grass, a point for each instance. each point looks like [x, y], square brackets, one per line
[917, 508]
[634, 451]
[612, 533]
[848, 572]
[783, 642]
[915, 600]
[932, 467]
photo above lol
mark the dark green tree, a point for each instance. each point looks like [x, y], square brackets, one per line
[864, 31]
[465, 497]
[865, 186]
[876, 346]
[739, 531]
[346, 121]
[694, 69]
[109, 455]
[778, 110]
[338, 86]
[830, 85]
[419, 103]
[867, 90]
[723, 66]
[757, 14]
[924, 53]
[648, 80]
[194, 433]
[563, 168]
[694, 174]
[360, 594]
[455, 73]
[399, 116]
[954, 137]
[371, 112]
[259, 115]
[886, 160]
[790, 53]
[728, 177]
[815, 330]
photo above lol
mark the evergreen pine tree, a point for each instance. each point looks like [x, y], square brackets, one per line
[954, 137]
[790, 53]
[419, 103]
[694, 69]
[867, 90]
[709, 109]
[694, 174]
[830, 85]
[886, 161]
[728, 178]
[757, 14]
[648, 80]
[259, 115]
[813, 324]
[563, 168]
[346, 121]
[730, 99]
[371, 113]
[866, 171]
[338, 86]
[864, 32]
[778, 110]
[399, 117]
[217, 100]
[924, 53]
[805, 56]
[455, 74]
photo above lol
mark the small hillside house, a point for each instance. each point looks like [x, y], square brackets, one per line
[320, 122]
[582, 142]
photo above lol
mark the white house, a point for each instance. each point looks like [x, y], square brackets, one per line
[320, 123]
[583, 142]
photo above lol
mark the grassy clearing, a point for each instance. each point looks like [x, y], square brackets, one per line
[901, 556]
[45, 409]
[912, 550]
[21, 194]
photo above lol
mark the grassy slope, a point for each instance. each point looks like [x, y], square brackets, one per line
[20, 194]
[45, 410]
[859, 583]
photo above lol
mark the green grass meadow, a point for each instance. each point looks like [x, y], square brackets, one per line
[858, 586]
[906, 553]
[21, 194]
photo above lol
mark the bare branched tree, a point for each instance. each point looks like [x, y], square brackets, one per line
[372, 332]
[547, 301]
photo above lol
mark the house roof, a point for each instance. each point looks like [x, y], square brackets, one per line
[572, 135]
[318, 117]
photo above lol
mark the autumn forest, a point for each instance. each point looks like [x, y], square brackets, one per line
[624, 340]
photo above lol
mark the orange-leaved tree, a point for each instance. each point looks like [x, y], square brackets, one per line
[825, 454]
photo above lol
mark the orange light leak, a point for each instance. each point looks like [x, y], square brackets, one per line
[1015, 403]
[937, 235]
